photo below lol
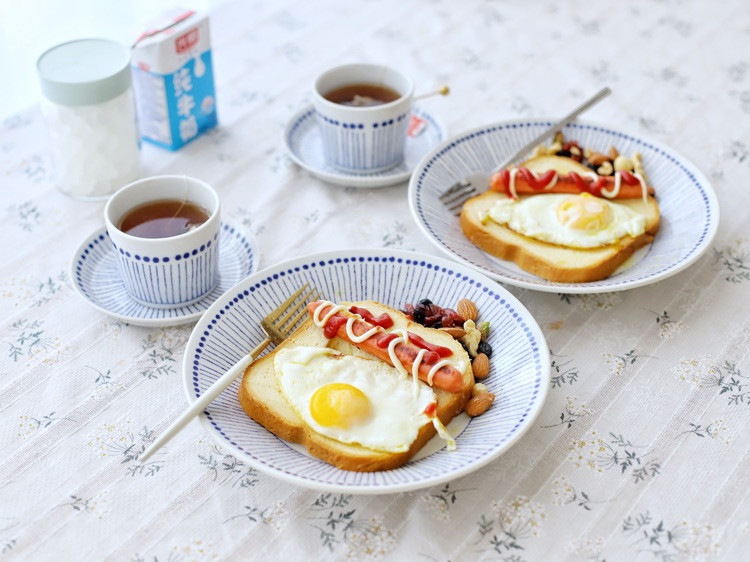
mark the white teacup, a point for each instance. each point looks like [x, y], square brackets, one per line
[166, 272]
[363, 139]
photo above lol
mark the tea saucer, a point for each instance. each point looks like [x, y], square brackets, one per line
[96, 278]
[302, 141]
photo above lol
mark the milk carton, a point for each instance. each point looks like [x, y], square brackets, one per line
[173, 79]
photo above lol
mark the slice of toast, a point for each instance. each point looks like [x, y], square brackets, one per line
[551, 261]
[262, 400]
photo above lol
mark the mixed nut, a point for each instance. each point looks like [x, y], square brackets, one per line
[602, 164]
[463, 324]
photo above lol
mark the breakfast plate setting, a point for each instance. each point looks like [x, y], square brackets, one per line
[302, 139]
[687, 202]
[95, 275]
[519, 373]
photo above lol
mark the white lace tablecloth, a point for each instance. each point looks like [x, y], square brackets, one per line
[641, 451]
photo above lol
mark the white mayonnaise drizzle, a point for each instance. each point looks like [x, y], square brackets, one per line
[512, 180]
[616, 189]
[552, 183]
[334, 309]
[402, 338]
[450, 443]
[435, 368]
[359, 339]
[644, 187]
[415, 371]
[618, 184]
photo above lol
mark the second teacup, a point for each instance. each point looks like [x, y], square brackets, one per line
[363, 113]
[165, 230]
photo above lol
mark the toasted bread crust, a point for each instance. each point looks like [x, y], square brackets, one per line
[549, 261]
[261, 400]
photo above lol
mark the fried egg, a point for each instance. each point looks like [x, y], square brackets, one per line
[577, 221]
[352, 399]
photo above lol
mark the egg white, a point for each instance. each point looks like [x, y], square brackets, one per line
[397, 413]
[535, 216]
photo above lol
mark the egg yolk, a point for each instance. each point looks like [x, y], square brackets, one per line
[584, 212]
[340, 405]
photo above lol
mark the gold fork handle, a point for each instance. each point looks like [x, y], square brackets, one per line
[204, 400]
[569, 118]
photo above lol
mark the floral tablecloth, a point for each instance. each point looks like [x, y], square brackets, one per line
[641, 450]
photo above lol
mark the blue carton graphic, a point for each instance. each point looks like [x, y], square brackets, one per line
[173, 81]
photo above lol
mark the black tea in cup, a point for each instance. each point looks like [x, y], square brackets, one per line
[362, 95]
[162, 218]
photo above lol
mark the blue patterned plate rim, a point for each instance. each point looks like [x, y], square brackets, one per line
[303, 123]
[687, 202]
[520, 376]
[95, 277]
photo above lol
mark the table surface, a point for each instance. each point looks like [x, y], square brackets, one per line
[640, 451]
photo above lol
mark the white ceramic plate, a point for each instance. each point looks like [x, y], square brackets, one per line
[689, 209]
[519, 376]
[303, 144]
[96, 278]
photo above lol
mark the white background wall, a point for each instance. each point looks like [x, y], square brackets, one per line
[30, 27]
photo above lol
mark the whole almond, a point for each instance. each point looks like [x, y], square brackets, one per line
[479, 404]
[467, 309]
[481, 366]
[597, 158]
[454, 331]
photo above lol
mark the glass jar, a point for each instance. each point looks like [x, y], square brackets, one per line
[90, 112]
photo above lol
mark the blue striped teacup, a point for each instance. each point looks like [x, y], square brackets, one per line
[166, 272]
[363, 139]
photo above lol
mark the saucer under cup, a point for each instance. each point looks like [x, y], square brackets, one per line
[369, 138]
[173, 271]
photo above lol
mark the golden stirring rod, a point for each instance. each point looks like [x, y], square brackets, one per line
[444, 90]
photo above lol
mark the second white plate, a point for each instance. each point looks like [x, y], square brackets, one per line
[689, 209]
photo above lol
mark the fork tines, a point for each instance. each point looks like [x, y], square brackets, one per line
[288, 314]
[455, 196]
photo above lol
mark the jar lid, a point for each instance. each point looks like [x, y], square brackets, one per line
[84, 71]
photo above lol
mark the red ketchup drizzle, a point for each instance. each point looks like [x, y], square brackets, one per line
[430, 409]
[537, 184]
[580, 184]
[439, 349]
[384, 320]
[505, 178]
[332, 326]
[383, 342]
[430, 358]
[594, 188]
[629, 178]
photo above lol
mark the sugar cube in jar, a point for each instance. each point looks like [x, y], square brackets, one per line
[89, 108]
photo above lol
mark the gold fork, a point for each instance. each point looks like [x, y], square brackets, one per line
[277, 325]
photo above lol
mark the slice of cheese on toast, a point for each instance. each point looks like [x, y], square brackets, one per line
[262, 400]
